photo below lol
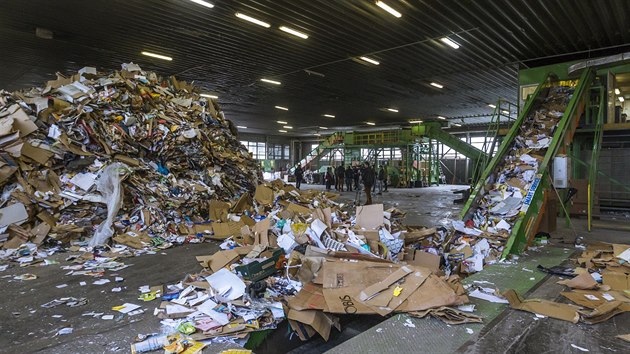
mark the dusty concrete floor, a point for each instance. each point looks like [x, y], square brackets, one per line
[27, 327]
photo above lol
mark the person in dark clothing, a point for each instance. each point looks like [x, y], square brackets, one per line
[349, 175]
[367, 175]
[355, 175]
[386, 177]
[379, 180]
[328, 178]
[299, 174]
[340, 173]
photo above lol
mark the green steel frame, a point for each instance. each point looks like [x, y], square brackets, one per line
[530, 215]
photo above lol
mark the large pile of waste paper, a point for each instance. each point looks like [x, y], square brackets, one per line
[125, 153]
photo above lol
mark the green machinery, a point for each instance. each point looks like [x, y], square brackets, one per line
[534, 202]
[420, 160]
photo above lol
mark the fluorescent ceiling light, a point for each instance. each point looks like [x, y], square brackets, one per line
[293, 32]
[241, 127]
[329, 115]
[456, 125]
[435, 84]
[324, 128]
[492, 106]
[271, 81]
[252, 20]
[369, 60]
[281, 122]
[370, 123]
[621, 99]
[388, 8]
[617, 92]
[159, 56]
[282, 108]
[442, 118]
[415, 121]
[505, 112]
[203, 3]
[208, 95]
[393, 110]
[317, 134]
[282, 131]
[450, 42]
[287, 127]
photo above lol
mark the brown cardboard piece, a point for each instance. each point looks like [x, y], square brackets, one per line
[604, 312]
[370, 217]
[134, 240]
[264, 195]
[39, 155]
[386, 301]
[310, 297]
[202, 228]
[218, 260]
[617, 280]
[321, 322]
[434, 292]
[298, 209]
[416, 235]
[583, 281]
[223, 230]
[426, 259]
[343, 281]
[218, 210]
[448, 315]
[625, 337]
[261, 232]
[551, 309]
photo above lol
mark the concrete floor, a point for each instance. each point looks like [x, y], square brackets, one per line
[27, 327]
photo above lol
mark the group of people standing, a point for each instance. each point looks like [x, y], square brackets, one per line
[353, 177]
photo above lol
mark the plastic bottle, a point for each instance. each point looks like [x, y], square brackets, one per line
[150, 344]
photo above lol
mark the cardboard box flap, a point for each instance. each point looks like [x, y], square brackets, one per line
[551, 309]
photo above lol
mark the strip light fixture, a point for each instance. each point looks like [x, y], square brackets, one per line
[450, 42]
[617, 92]
[369, 60]
[293, 32]
[252, 20]
[393, 110]
[492, 106]
[281, 122]
[456, 125]
[388, 8]
[370, 123]
[329, 116]
[324, 128]
[208, 95]
[203, 3]
[282, 108]
[435, 84]
[415, 121]
[505, 112]
[241, 127]
[287, 127]
[282, 131]
[442, 118]
[271, 81]
[621, 99]
[159, 56]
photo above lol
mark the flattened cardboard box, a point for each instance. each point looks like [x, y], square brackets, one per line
[343, 282]
[551, 309]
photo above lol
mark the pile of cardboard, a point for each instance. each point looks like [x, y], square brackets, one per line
[600, 287]
[302, 256]
[503, 195]
[140, 155]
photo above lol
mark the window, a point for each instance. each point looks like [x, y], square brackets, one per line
[278, 151]
[256, 148]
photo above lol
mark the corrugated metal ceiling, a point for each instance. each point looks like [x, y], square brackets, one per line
[227, 56]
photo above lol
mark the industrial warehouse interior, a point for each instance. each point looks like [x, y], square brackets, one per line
[310, 176]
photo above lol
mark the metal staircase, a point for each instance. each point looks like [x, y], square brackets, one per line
[330, 141]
